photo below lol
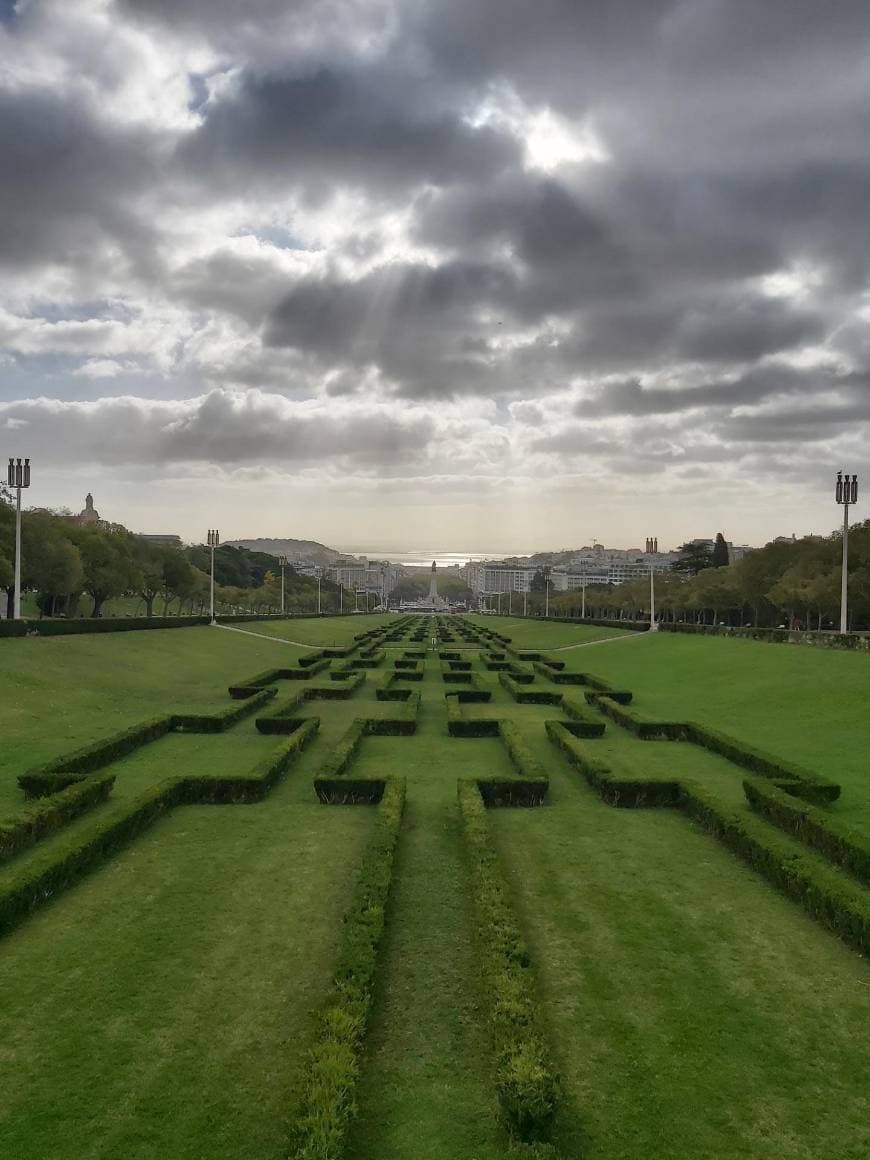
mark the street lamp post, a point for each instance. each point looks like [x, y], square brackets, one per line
[846, 493]
[525, 600]
[213, 540]
[510, 601]
[583, 598]
[18, 477]
[653, 625]
[547, 599]
[282, 560]
[318, 595]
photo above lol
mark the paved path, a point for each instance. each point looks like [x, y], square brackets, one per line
[590, 643]
[279, 639]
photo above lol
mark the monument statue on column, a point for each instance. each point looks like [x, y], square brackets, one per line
[433, 587]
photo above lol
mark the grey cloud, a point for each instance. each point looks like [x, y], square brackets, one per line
[68, 184]
[222, 427]
[372, 126]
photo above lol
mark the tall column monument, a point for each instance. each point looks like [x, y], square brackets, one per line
[433, 587]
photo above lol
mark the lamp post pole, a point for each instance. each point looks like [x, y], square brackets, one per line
[318, 595]
[282, 560]
[525, 600]
[510, 601]
[547, 599]
[213, 541]
[18, 477]
[583, 598]
[653, 625]
[846, 493]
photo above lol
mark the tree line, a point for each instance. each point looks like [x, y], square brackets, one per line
[787, 583]
[74, 569]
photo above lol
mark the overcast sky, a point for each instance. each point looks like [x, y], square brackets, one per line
[466, 274]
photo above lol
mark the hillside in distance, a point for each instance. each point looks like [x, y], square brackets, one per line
[308, 550]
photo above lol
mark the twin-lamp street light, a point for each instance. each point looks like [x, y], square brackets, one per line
[282, 563]
[18, 477]
[213, 541]
[845, 493]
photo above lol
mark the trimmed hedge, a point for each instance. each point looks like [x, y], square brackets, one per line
[847, 641]
[334, 1063]
[838, 903]
[72, 767]
[460, 726]
[270, 676]
[835, 841]
[615, 790]
[78, 626]
[583, 723]
[528, 696]
[527, 1084]
[522, 758]
[50, 814]
[52, 871]
[333, 785]
[557, 676]
[828, 896]
[220, 722]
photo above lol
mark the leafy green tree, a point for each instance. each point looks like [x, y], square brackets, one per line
[109, 568]
[694, 558]
[178, 578]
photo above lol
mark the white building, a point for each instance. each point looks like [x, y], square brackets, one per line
[377, 576]
[591, 565]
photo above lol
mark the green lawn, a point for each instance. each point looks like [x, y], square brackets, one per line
[64, 692]
[163, 1007]
[542, 634]
[806, 704]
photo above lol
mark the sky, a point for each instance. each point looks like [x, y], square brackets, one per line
[490, 276]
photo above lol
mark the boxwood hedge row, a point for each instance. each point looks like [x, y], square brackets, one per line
[828, 896]
[49, 814]
[788, 776]
[836, 842]
[328, 1105]
[54, 869]
[527, 1084]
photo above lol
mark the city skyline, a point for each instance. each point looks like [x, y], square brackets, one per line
[488, 272]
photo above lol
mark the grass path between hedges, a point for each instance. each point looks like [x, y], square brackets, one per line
[427, 1090]
[807, 705]
[163, 1006]
[695, 1012]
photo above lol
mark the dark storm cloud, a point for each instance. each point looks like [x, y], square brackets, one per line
[630, 398]
[414, 322]
[734, 151]
[374, 127]
[67, 182]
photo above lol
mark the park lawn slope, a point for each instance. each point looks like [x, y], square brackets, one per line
[317, 631]
[65, 692]
[695, 1012]
[164, 1006]
[807, 705]
[539, 633]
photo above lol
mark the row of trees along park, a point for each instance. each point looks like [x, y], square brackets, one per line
[72, 569]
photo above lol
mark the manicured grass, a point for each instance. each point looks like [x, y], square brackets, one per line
[164, 1005]
[806, 704]
[428, 1090]
[317, 631]
[65, 692]
[694, 1012]
[543, 634]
